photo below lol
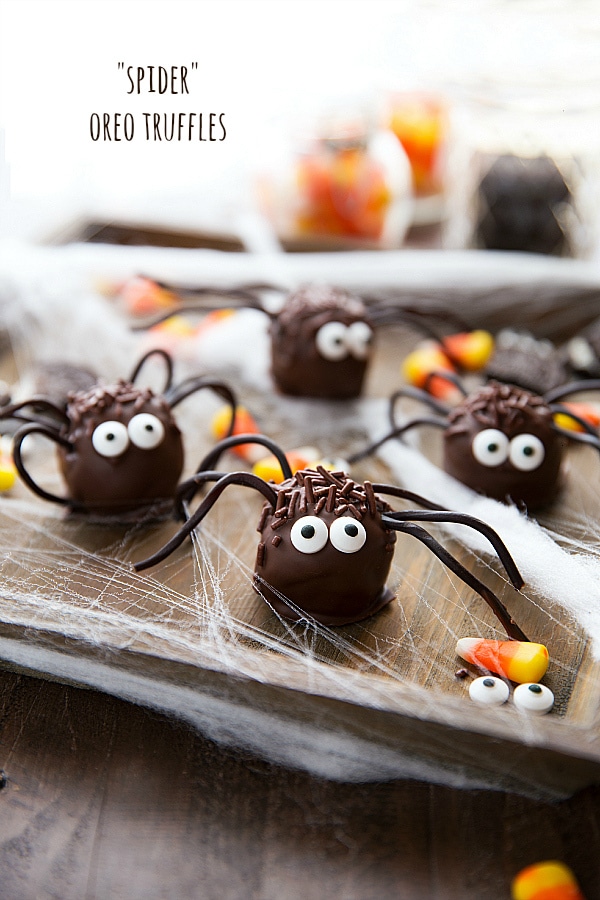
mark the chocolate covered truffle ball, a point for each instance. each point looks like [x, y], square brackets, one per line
[125, 449]
[321, 344]
[324, 551]
[500, 442]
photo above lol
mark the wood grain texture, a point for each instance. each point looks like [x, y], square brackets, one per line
[108, 800]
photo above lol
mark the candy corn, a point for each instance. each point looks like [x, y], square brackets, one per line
[519, 661]
[470, 349]
[426, 358]
[244, 424]
[549, 880]
[585, 411]
[141, 296]
[176, 330]
[269, 469]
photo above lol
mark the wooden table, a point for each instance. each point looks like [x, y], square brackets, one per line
[103, 799]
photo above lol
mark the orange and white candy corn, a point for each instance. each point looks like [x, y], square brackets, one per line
[418, 366]
[550, 880]
[141, 296]
[268, 467]
[520, 661]
[471, 350]
[585, 411]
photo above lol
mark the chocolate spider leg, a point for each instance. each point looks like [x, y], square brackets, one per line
[510, 626]
[20, 436]
[188, 489]
[176, 394]
[245, 479]
[395, 433]
[575, 387]
[592, 440]
[247, 292]
[214, 455]
[415, 393]
[387, 313]
[392, 490]
[447, 516]
[39, 404]
[185, 309]
[157, 351]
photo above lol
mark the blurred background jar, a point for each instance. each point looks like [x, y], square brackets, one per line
[420, 119]
[341, 181]
[524, 170]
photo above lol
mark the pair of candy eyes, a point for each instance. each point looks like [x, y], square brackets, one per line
[335, 341]
[490, 691]
[112, 438]
[310, 534]
[492, 448]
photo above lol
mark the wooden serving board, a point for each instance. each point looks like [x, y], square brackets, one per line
[371, 701]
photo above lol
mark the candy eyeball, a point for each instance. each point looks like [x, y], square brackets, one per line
[534, 698]
[359, 338]
[110, 439]
[526, 452]
[347, 534]
[146, 431]
[489, 691]
[331, 341]
[490, 447]
[309, 534]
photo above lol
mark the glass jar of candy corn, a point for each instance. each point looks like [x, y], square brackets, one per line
[525, 174]
[343, 183]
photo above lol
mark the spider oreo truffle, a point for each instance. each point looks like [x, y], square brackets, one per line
[325, 548]
[124, 449]
[119, 447]
[321, 344]
[501, 441]
[327, 541]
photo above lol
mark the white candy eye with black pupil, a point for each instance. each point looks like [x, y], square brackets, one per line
[347, 534]
[489, 691]
[309, 534]
[490, 447]
[146, 431]
[358, 339]
[331, 341]
[110, 439]
[526, 452]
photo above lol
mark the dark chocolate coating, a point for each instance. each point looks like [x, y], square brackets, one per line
[512, 411]
[135, 479]
[330, 586]
[297, 366]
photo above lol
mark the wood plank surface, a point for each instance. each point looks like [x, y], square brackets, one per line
[108, 800]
